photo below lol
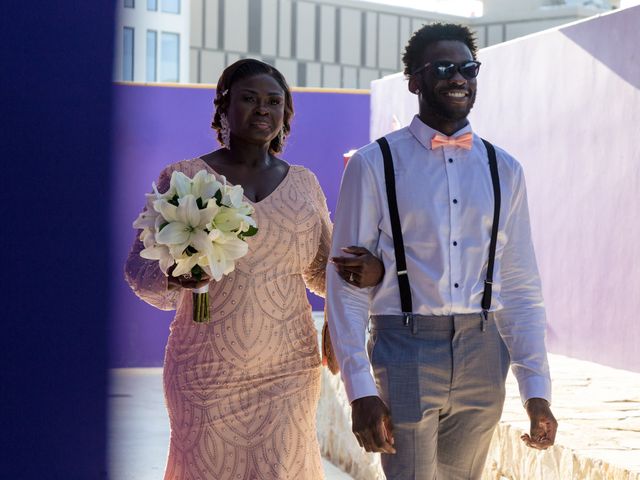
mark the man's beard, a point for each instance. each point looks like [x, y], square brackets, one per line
[440, 108]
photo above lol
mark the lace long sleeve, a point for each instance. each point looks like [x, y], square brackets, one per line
[315, 273]
[144, 276]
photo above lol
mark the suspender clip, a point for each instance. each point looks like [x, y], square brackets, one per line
[485, 318]
[409, 319]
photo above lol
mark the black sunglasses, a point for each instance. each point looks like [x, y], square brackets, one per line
[444, 70]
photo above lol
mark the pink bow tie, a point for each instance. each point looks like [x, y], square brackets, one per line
[462, 141]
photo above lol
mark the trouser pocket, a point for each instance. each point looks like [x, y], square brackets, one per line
[394, 358]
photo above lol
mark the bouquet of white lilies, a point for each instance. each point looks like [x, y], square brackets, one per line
[198, 225]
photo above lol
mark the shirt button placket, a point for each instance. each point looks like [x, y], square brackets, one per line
[454, 251]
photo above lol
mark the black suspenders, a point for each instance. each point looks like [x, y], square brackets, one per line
[495, 180]
[398, 243]
[396, 231]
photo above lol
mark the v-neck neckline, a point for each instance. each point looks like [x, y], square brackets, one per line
[282, 182]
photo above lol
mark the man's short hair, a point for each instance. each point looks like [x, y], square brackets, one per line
[432, 33]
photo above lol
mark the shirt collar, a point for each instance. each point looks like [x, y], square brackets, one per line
[424, 133]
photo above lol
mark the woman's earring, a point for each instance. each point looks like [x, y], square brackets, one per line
[281, 138]
[225, 132]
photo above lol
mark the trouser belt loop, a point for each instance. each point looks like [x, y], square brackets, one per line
[410, 319]
[485, 317]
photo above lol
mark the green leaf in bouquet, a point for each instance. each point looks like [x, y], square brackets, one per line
[197, 272]
[250, 232]
[162, 226]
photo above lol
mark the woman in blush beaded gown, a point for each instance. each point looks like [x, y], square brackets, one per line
[242, 390]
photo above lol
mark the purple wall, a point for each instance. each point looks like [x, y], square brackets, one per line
[155, 126]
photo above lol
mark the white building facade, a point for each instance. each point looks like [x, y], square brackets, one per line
[314, 43]
[152, 41]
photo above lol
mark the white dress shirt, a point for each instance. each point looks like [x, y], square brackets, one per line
[445, 200]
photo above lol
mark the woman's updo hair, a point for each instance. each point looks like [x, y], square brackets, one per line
[245, 68]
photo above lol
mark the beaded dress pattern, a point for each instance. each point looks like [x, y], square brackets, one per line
[242, 391]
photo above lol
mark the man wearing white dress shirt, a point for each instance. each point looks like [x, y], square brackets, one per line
[439, 371]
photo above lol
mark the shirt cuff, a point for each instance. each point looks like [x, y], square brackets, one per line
[535, 387]
[359, 385]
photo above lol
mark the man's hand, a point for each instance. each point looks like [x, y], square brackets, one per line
[543, 424]
[372, 425]
[362, 269]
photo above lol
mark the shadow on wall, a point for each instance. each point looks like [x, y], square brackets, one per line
[616, 30]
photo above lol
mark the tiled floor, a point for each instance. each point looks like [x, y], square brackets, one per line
[598, 409]
[139, 427]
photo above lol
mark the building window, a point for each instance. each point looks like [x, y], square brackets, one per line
[170, 57]
[171, 6]
[127, 55]
[152, 5]
[129, 3]
[152, 55]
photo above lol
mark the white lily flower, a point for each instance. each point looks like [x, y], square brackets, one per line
[225, 249]
[156, 195]
[204, 185]
[160, 221]
[232, 220]
[185, 235]
[246, 209]
[231, 194]
[186, 223]
[245, 226]
[227, 220]
[146, 219]
[208, 213]
[180, 183]
[185, 263]
[177, 252]
[158, 252]
[148, 216]
[148, 238]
